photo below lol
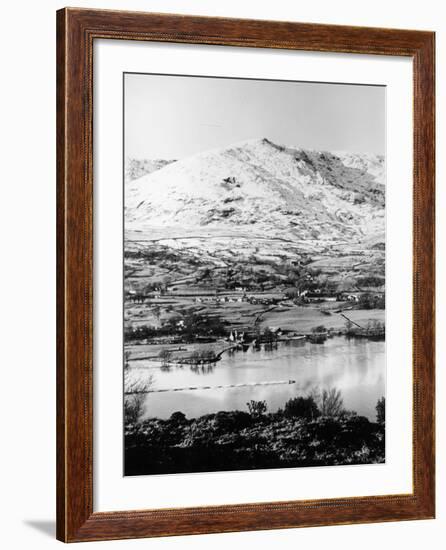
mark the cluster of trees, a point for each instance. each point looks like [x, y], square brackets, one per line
[197, 324]
[318, 329]
[327, 403]
[369, 300]
[259, 273]
[188, 327]
[143, 332]
[195, 357]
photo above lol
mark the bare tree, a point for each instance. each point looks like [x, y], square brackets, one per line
[135, 394]
[165, 355]
[331, 403]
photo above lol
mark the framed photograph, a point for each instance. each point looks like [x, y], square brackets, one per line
[245, 275]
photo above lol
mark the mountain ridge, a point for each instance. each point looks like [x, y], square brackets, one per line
[266, 188]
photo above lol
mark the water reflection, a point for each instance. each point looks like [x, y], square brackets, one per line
[356, 367]
[205, 368]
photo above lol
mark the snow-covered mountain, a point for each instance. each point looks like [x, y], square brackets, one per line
[365, 162]
[265, 189]
[136, 168]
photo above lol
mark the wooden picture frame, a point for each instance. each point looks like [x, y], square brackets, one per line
[76, 31]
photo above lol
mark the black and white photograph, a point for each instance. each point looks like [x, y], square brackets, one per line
[254, 274]
[228, 217]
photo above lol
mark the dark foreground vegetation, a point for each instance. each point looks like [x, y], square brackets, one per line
[306, 432]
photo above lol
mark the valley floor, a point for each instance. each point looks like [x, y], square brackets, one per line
[288, 318]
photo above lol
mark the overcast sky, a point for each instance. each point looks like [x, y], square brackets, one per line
[171, 117]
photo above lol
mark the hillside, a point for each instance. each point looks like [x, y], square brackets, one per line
[263, 190]
[257, 215]
[136, 168]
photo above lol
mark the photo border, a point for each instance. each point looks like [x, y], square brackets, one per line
[76, 31]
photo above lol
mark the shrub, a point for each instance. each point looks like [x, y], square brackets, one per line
[257, 408]
[303, 407]
[227, 421]
[178, 417]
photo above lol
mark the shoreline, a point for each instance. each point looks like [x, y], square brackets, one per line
[213, 347]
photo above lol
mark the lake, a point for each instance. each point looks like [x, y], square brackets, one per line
[356, 367]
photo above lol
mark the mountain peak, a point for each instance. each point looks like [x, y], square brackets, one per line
[250, 143]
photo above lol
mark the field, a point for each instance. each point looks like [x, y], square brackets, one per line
[193, 296]
[302, 319]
